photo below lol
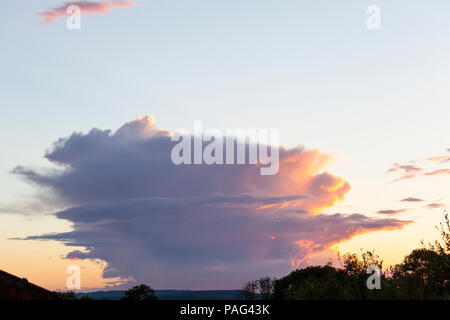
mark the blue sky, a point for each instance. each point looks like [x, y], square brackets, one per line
[231, 63]
[309, 68]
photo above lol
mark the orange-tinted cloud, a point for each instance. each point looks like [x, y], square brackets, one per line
[300, 173]
[440, 159]
[308, 248]
[90, 7]
[437, 172]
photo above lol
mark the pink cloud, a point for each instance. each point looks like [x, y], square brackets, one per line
[410, 170]
[435, 205]
[404, 177]
[407, 168]
[91, 7]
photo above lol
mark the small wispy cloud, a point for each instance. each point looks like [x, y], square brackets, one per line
[407, 168]
[411, 170]
[435, 205]
[437, 172]
[411, 199]
[440, 159]
[391, 212]
[91, 7]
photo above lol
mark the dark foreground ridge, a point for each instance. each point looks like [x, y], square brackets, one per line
[15, 288]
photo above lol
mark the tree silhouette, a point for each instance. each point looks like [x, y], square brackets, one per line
[140, 292]
[68, 295]
[258, 289]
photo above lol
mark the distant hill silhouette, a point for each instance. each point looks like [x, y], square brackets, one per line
[169, 294]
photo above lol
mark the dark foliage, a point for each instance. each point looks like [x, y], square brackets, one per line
[423, 274]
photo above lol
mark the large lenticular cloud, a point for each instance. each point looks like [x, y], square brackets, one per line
[192, 226]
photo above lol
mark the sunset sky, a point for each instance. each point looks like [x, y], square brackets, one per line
[86, 176]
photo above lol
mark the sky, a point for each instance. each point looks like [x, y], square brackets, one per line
[87, 116]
